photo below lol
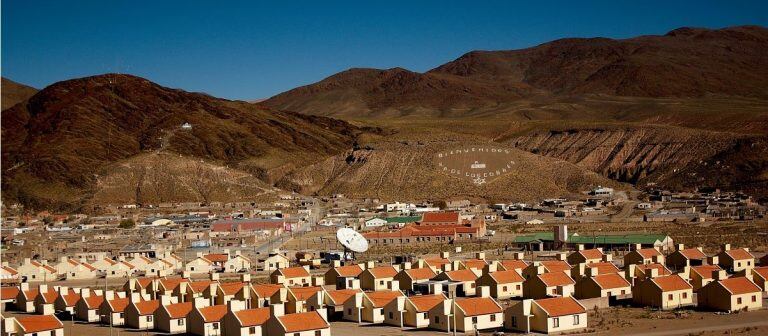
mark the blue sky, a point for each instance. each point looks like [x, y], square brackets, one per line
[250, 49]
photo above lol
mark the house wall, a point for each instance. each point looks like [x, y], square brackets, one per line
[392, 315]
[437, 318]
[716, 297]
[465, 323]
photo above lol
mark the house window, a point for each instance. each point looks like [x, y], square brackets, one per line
[517, 287]
[391, 315]
[472, 285]
[514, 321]
[669, 297]
[556, 322]
[749, 263]
[623, 292]
[215, 325]
[504, 288]
[252, 330]
[149, 318]
[349, 311]
[554, 290]
[738, 264]
[493, 317]
[754, 298]
[318, 332]
[180, 322]
[474, 320]
[685, 295]
[738, 300]
[575, 319]
[381, 282]
[437, 319]
[121, 315]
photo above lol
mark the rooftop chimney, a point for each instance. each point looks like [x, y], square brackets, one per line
[235, 305]
[276, 310]
[725, 247]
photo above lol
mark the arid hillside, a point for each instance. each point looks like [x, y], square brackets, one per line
[56, 143]
[686, 62]
[14, 93]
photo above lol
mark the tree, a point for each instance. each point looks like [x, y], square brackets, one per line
[127, 223]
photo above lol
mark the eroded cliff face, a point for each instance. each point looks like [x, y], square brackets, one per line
[672, 156]
[628, 155]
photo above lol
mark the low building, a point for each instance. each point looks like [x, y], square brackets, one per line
[141, 314]
[416, 309]
[206, 321]
[87, 308]
[465, 278]
[33, 325]
[602, 285]
[410, 276]
[700, 276]
[735, 260]
[314, 323]
[548, 284]
[338, 274]
[503, 284]
[643, 256]
[376, 278]
[292, 276]
[760, 277]
[585, 255]
[683, 257]
[478, 313]
[274, 261]
[369, 306]
[664, 292]
[172, 318]
[245, 322]
[730, 294]
[549, 316]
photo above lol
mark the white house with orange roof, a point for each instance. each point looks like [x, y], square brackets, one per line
[292, 276]
[416, 309]
[102, 264]
[240, 321]
[25, 298]
[683, 257]
[298, 299]
[503, 284]
[112, 310]
[33, 325]
[314, 323]
[206, 321]
[548, 316]
[642, 271]
[700, 276]
[408, 276]
[171, 318]
[513, 264]
[465, 277]
[595, 285]
[730, 294]
[478, 313]
[238, 290]
[735, 260]
[664, 292]
[549, 266]
[548, 284]
[582, 255]
[140, 314]
[643, 256]
[87, 308]
[376, 278]
[8, 273]
[34, 271]
[369, 306]
[67, 299]
[338, 274]
[760, 277]
[262, 295]
[199, 265]
[45, 301]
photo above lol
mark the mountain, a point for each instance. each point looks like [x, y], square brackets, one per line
[684, 63]
[59, 145]
[14, 93]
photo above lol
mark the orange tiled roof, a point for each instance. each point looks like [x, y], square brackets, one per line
[31, 294]
[610, 281]
[383, 297]
[118, 304]
[591, 254]
[9, 293]
[179, 310]
[172, 283]
[50, 296]
[349, 270]
[513, 264]
[556, 265]
[739, 254]
[94, 301]
[503, 277]
[383, 272]
[199, 286]
[647, 253]
[461, 275]
[437, 262]
[706, 271]
[420, 273]
[475, 263]
[692, 253]
[663, 270]
[71, 298]
[294, 272]
[37, 323]
[671, 283]
[478, 306]
[762, 271]
[10, 270]
[213, 313]
[231, 288]
[440, 217]
[266, 290]
[303, 293]
[147, 307]
[253, 317]
[556, 279]
[739, 285]
[424, 303]
[216, 257]
[605, 267]
[560, 306]
[340, 296]
[303, 321]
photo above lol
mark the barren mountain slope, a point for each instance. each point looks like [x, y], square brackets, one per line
[14, 93]
[57, 141]
[685, 62]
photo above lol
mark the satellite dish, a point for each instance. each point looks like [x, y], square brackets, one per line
[352, 240]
